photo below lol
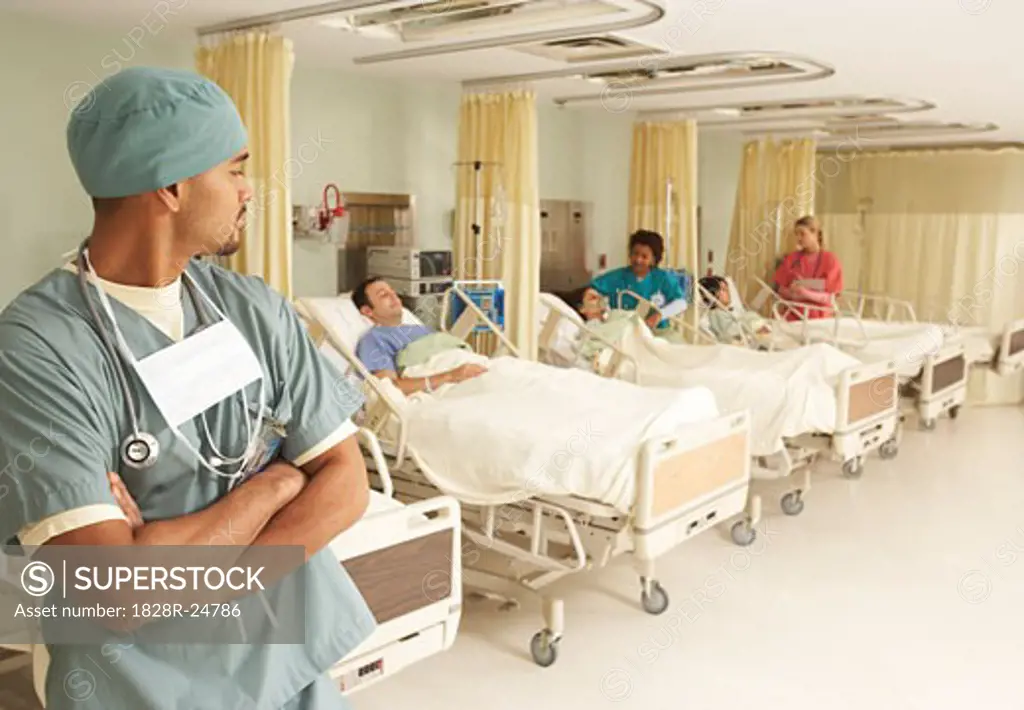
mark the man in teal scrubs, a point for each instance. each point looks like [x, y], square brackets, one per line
[161, 153]
[644, 278]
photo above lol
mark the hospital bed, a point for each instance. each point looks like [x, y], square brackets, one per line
[851, 414]
[932, 367]
[1002, 350]
[645, 485]
[406, 562]
[933, 360]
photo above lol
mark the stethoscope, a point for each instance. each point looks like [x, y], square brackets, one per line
[140, 449]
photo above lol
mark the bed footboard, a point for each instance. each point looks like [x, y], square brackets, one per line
[1010, 357]
[943, 383]
[407, 564]
[867, 409]
[691, 482]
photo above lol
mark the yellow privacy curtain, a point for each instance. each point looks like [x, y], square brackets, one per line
[500, 132]
[665, 157]
[940, 229]
[255, 70]
[776, 187]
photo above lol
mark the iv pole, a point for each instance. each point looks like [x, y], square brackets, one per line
[477, 225]
[693, 256]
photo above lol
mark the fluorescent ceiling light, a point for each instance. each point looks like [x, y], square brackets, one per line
[790, 110]
[656, 73]
[447, 19]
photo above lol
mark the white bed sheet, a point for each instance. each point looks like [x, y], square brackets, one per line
[980, 343]
[787, 393]
[525, 429]
[907, 344]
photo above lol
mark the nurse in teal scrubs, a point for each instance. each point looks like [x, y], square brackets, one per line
[644, 278]
[150, 398]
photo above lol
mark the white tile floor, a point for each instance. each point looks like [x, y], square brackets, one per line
[900, 591]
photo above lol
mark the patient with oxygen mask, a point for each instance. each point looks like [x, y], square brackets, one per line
[390, 347]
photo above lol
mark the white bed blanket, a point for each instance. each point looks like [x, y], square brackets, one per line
[980, 343]
[788, 393]
[907, 344]
[525, 429]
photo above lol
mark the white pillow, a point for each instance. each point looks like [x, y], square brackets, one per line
[340, 316]
[550, 300]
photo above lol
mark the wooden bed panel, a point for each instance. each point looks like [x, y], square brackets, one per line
[404, 577]
[872, 397]
[693, 474]
[948, 373]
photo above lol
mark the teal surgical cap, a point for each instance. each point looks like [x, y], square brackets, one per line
[145, 128]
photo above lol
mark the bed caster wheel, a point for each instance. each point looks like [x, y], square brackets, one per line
[954, 412]
[889, 449]
[928, 424]
[544, 648]
[743, 533]
[792, 503]
[853, 468]
[657, 601]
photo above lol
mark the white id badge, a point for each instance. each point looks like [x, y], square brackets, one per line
[189, 377]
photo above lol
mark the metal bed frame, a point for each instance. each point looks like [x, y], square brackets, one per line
[686, 485]
[867, 408]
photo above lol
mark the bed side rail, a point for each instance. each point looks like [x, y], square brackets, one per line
[677, 322]
[883, 307]
[380, 409]
[782, 307]
[490, 529]
[749, 338]
[612, 369]
[465, 327]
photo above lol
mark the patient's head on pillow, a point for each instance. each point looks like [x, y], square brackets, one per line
[592, 305]
[717, 287]
[585, 301]
[376, 300]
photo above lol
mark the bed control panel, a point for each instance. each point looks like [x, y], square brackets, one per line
[363, 674]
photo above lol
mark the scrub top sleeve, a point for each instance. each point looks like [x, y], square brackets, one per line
[673, 293]
[54, 453]
[323, 400]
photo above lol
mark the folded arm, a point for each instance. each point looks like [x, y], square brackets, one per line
[280, 506]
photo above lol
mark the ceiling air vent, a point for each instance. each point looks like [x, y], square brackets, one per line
[589, 49]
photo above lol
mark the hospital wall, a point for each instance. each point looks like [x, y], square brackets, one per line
[365, 135]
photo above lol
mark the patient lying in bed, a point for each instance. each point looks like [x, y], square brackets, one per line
[390, 347]
[726, 323]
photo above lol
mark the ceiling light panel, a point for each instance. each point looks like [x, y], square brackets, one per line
[448, 20]
[653, 72]
[742, 115]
